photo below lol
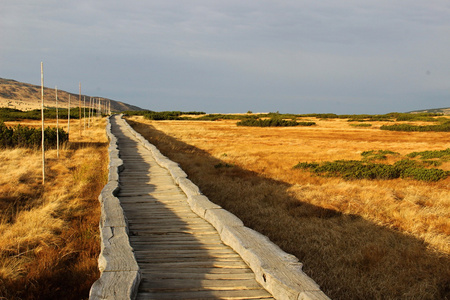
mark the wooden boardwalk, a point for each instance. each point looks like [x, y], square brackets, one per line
[180, 255]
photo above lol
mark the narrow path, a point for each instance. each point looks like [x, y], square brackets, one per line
[180, 255]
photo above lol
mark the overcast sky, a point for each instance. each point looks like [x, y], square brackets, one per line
[291, 56]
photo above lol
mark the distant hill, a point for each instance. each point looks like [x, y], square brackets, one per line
[445, 111]
[25, 96]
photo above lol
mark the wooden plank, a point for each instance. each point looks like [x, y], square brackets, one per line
[157, 222]
[231, 295]
[172, 225]
[155, 208]
[201, 264]
[197, 270]
[193, 246]
[177, 252]
[203, 274]
[158, 232]
[197, 284]
[149, 241]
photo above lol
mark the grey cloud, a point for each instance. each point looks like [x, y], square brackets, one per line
[230, 56]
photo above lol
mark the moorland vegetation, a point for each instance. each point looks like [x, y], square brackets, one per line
[29, 137]
[49, 239]
[363, 238]
[11, 114]
[276, 119]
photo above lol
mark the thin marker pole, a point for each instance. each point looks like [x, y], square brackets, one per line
[57, 123]
[84, 113]
[42, 117]
[68, 118]
[79, 106]
[89, 113]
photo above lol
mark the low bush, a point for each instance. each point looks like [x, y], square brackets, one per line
[23, 136]
[441, 154]
[9, 114]
[355, 169]
[377, 154]
[442, 127]
[166, 115]
[216, 117]
[273, 122]
[361, 125]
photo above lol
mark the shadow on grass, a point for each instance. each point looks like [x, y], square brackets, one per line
[348, 256]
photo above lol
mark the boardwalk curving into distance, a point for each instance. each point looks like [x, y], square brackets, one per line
[180, 255]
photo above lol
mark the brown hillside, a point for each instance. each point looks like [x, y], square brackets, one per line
[25, 96]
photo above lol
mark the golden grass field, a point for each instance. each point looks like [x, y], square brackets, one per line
[360, 239]
[49, 240]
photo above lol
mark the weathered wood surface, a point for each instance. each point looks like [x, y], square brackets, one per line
[120, 274]
[180, 255]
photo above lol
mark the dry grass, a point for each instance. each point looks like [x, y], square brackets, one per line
[49, 241]
[358, 239]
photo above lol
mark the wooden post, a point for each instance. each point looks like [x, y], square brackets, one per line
[42, 117]
[79, 106]
[89, 113]
[84, 113]
[68, 118]
[57, 123]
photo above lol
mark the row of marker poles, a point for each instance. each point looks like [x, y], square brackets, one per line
[94, 103]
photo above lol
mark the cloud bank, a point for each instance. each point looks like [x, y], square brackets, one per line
[233, 56]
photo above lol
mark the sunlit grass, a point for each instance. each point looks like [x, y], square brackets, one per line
[359, 239]
[49, 241]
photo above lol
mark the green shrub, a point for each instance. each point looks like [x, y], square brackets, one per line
[223, 165]
[442, 154]
[215, 117]
[443, 127]
[432, 163]
[306, 165]
[377, 154]
[273, 122]
[353, 169]
[163, 115]
[425, 174]
[361, 125]
[23, 136]
[9, 114]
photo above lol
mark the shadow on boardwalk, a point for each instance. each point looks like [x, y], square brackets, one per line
[179, 254]
[348, 256]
